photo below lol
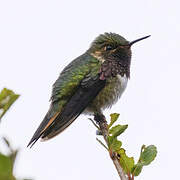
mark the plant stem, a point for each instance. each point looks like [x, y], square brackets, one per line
[102, 144]
[103, 126]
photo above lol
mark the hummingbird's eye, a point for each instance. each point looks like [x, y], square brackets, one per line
[108, 48]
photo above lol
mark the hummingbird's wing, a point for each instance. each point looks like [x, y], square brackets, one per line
[84, 95]
[78, 84]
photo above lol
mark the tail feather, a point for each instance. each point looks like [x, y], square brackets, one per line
[83, 96]
[63, 126]
[42, 127]
[74, 107]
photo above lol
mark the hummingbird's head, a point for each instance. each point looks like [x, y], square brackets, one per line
[113, 47]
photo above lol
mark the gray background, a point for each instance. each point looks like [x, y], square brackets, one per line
[38, 38]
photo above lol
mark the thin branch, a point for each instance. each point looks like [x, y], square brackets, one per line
[133, 177]
[119, 169]
[93, 123]
[102, 144]
[103, 126]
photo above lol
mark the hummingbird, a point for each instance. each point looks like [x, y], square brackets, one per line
[91, 83]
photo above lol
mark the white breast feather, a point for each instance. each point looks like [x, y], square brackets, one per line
[123, 83]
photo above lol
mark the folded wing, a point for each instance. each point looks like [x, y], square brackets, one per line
[70, 97]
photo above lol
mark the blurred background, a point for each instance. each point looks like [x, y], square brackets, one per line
[38, 38]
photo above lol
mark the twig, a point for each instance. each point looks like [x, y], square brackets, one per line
[93, 123]
[133, 177]
[102, 144]
[119, 169]
[103, 126]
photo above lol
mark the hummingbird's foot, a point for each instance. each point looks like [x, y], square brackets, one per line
[102, 123]
[99, 118]
[99, 133]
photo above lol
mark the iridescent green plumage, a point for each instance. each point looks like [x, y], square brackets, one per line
[90, 83]
[69, 79]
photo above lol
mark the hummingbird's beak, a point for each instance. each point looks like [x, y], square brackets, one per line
[135, 41]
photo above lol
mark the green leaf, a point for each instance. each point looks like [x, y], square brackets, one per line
[114, 144]
[5, 167]
[110, 140]
[7, 98]
[117, 130]
[114, 118]
[147, 155]
[7, 162]
[13, 153]
[127, 163]
[137, 169]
